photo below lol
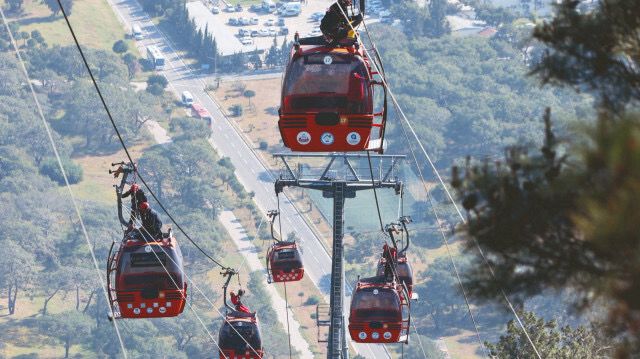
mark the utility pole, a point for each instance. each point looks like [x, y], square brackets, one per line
[340, 179]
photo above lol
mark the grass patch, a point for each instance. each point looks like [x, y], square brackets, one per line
[95, 23]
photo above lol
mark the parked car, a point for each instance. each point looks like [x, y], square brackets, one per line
[280, 22]
[244, 33]
[215, 10]
[255, 8]
[238, 8]
[246, 41]
[244, 21]
[270, 22]
[254, 33]
[254, 21]
[230, 8]
[263, 32]
[284, 30]
[316, 16]
[233, 21]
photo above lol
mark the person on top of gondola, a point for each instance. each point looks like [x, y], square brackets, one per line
[236, 299]
[137, 197]
[390, 255]
[151, 229]
[335, 26]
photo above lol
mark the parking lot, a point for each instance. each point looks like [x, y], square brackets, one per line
[265, 25]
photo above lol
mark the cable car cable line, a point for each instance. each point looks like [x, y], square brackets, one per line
[138, 222]
[121, 140]
[64, 173]
[437, 173]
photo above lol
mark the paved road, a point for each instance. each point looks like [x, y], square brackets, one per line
[249, 170]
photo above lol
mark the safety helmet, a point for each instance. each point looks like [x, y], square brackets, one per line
[143, 206]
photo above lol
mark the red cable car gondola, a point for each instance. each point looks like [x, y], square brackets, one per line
[380, 312]
[148, 279]
[145, 278]
[239, 336]
[328, 99]
[284, 263]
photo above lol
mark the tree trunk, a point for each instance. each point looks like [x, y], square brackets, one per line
[9, 298]
[12, 300]
[67, 344]
[88, 301]
[77, 297]
[46, 302]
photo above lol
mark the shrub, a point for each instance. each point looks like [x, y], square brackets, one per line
[49, 167]
[120, 47]
[312, 300]
[236, 110]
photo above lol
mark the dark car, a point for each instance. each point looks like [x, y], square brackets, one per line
[280, 22]
[255, 33]
[233, 21]
[238, 8]
[284, 30]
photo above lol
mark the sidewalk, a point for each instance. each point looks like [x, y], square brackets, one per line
[248, 251]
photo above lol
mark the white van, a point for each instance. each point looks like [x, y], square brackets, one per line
[136, 31]
[268, 6]
[291, 9]
[187, 98]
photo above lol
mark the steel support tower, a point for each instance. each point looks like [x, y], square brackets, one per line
[340, 179]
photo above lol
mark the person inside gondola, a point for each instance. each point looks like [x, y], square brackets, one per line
[236, 299]
[335, 26]
[390, 256]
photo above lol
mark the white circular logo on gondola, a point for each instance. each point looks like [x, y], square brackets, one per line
[327, 138]
[149, 310]
[387, 335]
[362, 335]
[328, 60]
[303, 138]
[147, 249]
[375, 292]
[353, 138]
[136, 311]
[375, 335]
[162, 310]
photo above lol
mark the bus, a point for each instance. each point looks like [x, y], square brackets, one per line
[136, 31]
[201, 112]
[155, 57]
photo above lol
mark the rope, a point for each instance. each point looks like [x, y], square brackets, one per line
[375, 193]
[446, 243]
[286, 309]
[64, 175]
[437, 173]
[121, 140]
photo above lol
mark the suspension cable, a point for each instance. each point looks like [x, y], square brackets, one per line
[199, 290]
[449, 253]
[121, 140]
[375, 193]
[286, 309]
[64, 176]
[442, 183]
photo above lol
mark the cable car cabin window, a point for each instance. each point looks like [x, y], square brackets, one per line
[233, 339]
[286, 254]
[327, 83]
[141, 269]
[383, 306]
[148, 259]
